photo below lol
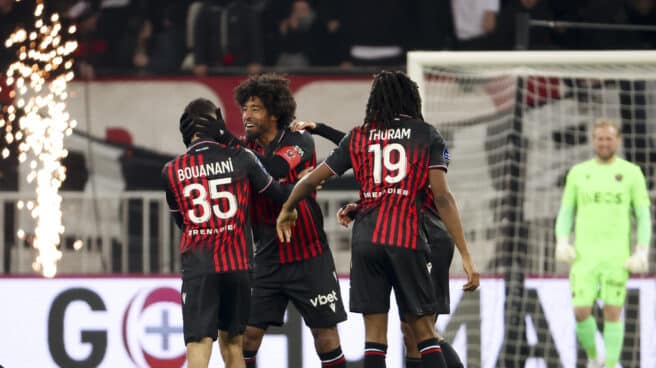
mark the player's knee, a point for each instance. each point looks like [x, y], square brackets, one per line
[253, 338]
[581, 314]
[325, 339]
[612, 313]
[423, 328]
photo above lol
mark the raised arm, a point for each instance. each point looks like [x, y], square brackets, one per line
[320, 129]
[302, 189]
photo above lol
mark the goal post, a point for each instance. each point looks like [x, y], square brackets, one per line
[515, 122]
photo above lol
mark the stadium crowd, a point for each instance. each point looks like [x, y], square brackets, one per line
[201, 37]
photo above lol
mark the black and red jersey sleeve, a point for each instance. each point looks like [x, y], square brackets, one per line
[439, 154]
[257, 174]
[339, 159]
[297, 149]
[174, 208]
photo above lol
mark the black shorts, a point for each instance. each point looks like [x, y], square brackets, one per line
[377, 269]
[441, 255]
[213, 302]
[312, 286]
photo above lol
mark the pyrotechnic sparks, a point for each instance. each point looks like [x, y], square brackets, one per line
[38, 122]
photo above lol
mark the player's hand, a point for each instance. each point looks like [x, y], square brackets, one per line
[286, 220]
[473, 277]
[639, 261]
[565, 252]
[346, 213]
[303, 125]
[218, 123]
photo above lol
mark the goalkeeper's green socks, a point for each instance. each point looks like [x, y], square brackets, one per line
[613, 339]
[586, 331]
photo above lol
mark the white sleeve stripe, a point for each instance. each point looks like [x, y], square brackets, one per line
[266, 186]
[330, 168]
[438, 167]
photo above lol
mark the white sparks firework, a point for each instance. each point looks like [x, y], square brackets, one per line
[38, 121]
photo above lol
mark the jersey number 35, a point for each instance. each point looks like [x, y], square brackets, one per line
[199, 197]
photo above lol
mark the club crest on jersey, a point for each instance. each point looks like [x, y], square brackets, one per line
[445, 154]
[291, 154]
[618, 178]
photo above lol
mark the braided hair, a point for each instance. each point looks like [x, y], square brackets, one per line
[273, 90]
[392, 94]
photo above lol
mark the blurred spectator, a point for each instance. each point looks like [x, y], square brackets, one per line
[159, 44]
[13, 15]
[105, 29]
[378, 30]
[475, 22]
[227, 33]
[291, 33]
[540, 38]
[432, 25]
[643, 12]
[603, 11]
[91, 47]
[301, 33]
[330, 47]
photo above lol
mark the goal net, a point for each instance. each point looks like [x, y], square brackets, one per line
[515, 123]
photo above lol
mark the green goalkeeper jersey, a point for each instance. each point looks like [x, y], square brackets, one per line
[602, 196]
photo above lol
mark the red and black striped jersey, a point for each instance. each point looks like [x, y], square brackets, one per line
[209, 189]
[392, 167]
[428, 204]
[308, 237]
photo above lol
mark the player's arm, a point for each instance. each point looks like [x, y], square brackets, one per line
[170, 199]
[336, 164]
[275, 165]
[448, 210]
[641, 205]
[446, 206]
[262, 182]
[565, 220]
[288, 157]
[302, 189]
[639, 261]
[320, 129]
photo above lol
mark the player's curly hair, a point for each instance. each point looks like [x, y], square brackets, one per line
[273, 90]
[392, 94]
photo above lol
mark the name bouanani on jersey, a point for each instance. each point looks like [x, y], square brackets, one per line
[210, 168]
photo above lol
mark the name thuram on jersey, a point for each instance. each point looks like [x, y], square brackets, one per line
[399, 133]
[208, 169]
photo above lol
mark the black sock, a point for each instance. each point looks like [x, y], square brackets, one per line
[333, 359]
[412, 362]
[450, 356]
[431, 354]
[249, 358]
[374, 355]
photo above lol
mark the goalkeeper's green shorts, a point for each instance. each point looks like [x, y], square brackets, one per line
[592, 280]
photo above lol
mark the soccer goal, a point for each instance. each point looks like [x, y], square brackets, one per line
[515, 122]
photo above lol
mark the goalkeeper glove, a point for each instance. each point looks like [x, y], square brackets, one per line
[564, 251]
[639, 261]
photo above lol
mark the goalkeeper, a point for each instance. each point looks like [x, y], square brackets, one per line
[600, 194]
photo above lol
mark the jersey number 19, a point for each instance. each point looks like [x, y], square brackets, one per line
[383, 157]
